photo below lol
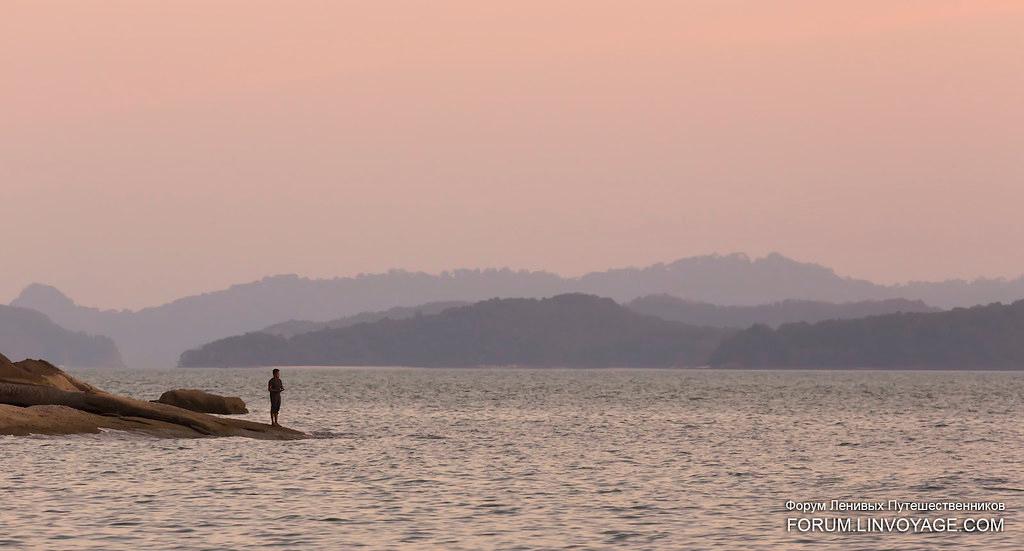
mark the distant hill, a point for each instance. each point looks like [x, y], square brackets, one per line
[155, 337]
[572, 330]
[26, 334]
[296, 327]
[983, 337]
[777, 313]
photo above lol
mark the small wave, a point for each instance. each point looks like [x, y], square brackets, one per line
[326, 434]
[428, 437]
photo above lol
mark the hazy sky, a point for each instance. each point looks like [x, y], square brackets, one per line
[153, 149]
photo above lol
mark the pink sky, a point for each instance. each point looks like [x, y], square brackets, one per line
[154, 149]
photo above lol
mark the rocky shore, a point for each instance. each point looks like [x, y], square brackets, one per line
[36, 397]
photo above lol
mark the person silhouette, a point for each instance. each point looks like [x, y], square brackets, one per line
[275, 386]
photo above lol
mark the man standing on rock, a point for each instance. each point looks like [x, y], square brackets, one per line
[275, 386]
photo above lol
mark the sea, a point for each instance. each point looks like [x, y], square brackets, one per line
[472, 459]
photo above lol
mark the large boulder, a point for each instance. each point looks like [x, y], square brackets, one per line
[203, 402]
[36, 397]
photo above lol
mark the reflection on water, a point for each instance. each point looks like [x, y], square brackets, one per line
[470, 459]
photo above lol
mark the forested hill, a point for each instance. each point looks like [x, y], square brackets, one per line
[572, 330]
[982, 337]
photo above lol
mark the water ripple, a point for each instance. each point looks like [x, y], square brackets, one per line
[526, 459]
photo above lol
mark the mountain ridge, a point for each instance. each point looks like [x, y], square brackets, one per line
[155, 336]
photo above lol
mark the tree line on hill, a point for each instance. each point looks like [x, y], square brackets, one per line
[983, 337]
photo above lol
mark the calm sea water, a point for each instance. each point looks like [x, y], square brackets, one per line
[530, 459]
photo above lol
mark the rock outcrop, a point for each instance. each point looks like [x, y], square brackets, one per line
[203, 402]
[38, 398]
[40, 373]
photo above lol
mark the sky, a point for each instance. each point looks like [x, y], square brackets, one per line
[150, 150]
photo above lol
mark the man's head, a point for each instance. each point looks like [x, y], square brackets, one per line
[277, 373]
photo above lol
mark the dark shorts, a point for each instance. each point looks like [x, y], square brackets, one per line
[275, 402]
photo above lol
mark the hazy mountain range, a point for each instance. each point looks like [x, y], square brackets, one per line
[156, 336]
[26, 334]
[572, 330]
[578, 330]
[666, 307]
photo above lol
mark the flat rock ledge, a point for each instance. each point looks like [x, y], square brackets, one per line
[203, 402]
[39, 398]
